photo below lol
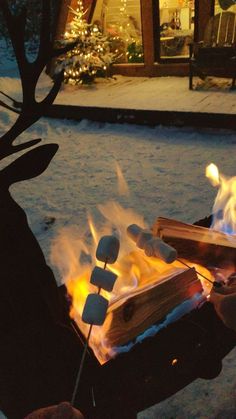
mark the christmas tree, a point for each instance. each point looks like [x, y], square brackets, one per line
[91, 55]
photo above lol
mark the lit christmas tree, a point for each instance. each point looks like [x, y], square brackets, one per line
[91, 55]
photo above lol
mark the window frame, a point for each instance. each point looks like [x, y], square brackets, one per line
[153, 64]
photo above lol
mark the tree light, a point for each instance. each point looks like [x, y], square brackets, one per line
[91, 52]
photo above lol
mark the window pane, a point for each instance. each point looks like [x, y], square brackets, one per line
[176, 27]
[120, 21]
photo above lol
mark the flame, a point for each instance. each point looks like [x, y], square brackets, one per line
[93, 230]
[212, 173]
[74, 254]
[224, 209]
[123, 188]
[133, 267]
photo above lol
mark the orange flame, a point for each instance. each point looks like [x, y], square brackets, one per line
[133, 267]
[212, 173]
[224, 208]
[123, 188]
[75, 259]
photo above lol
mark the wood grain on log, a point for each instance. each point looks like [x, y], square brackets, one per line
[198, 244]
[131, 314]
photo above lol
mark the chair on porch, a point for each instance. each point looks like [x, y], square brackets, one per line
[215, 55]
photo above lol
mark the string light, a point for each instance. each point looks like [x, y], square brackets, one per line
[91, 54]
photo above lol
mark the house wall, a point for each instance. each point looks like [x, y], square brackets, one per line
[152, 65]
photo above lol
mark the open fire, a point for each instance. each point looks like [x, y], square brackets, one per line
[224, 209]
[134, 269]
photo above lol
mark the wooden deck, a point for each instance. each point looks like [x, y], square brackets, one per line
[151, 101]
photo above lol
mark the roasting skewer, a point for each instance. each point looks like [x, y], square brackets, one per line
[95, 308]
[156, 247]
[215, 284]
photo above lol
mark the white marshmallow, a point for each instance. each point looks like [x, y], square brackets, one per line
[95, 309]
[103, 279]
[153, 246]
[144, 238]
[157, 248]
[134, 231]
[139, 235]
[108, 249]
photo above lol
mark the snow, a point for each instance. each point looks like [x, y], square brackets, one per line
[164, 168]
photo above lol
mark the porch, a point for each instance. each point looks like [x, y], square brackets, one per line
[150, 101]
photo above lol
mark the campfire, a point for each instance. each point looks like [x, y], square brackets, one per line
[224, 208]
[149, 293]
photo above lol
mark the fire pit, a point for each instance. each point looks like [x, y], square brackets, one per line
[142, 282]
[122, 379]
[140, 358]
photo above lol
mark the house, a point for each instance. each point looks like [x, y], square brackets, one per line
[150, 37]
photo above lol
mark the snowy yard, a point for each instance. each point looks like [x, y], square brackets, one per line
[164, 169]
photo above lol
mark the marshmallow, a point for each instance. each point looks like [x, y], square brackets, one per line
[157, 248]
[134, 231]
[108, 249]
[138, 235]
[152, 246]
[103, 279]
[95, 309]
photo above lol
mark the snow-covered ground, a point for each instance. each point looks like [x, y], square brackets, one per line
[164, 168]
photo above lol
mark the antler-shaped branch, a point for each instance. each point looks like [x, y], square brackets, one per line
[30, 72]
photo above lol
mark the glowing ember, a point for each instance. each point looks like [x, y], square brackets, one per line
[224, 209]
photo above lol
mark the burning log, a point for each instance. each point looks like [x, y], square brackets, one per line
[198, 244]
[131, 314]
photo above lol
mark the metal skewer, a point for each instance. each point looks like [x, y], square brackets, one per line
[81, 366]
[83, 356]
[214, 283]
[107, 252]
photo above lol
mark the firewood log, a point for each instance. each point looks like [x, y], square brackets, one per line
[131, 314]
[198, 244]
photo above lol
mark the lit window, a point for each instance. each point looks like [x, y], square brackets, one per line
[176, 27]
[120, 21]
